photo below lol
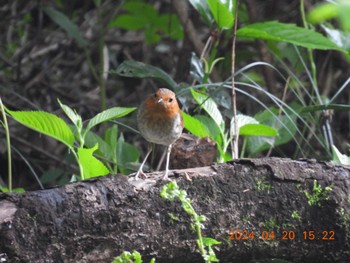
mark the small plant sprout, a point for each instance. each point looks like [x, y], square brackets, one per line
[170, 192]
[295, 215]
[318, 194]
[127, 257]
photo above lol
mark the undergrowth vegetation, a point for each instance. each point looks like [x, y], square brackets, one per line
[248, 107]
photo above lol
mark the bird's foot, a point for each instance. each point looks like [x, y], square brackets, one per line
[140, 174]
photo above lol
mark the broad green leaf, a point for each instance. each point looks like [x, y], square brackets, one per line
[126, 154]
[65, 23]
[211, 128]
[135, 69]
[72, 115]
[241, 121]
[203, 9]
[141, 8]
[109, 114]
[289, 33]
[222, 11]
[257, 130]
[338, 157]
[129, 22]
[104, 148]
[45, 123]
[111, 139]
[170, 25]
[194, 126]
[285, 126]
[92, 167]
[209, 105]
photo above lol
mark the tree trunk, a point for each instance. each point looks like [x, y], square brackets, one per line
[270, 209]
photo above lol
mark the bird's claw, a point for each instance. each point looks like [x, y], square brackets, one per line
[140, 174]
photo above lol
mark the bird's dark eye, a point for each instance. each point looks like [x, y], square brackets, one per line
[155, 95]
[171, 100]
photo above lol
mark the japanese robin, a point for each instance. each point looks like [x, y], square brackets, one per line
[160, 122]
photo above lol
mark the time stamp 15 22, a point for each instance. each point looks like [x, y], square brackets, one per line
[283, 235]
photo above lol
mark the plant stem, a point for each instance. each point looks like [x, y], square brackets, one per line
[81, 169]
[309, 51]
[101, 51]
[8, 146]
[234, 142]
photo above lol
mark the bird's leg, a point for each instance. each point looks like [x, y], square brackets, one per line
[142, 164]
[165, 177]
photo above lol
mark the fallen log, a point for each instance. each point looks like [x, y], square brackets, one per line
[260, 209]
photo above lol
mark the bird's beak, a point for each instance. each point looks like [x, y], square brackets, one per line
[160, 100]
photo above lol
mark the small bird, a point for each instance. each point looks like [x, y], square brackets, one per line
[160, 122]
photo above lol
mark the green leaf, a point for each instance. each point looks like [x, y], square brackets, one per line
[45, 123]
[222, 11]
[289, 33]
[339, 9]
[257, 130]
[129, 22]
[65, 23]
[211, 128]
[109, 114]
[104, 148]
[92, 167]
[126, 154]
[322, 13]
[339, 158]
[203, 9]
[241, 121]
[169, 25]
[194, 126]
[208, 241]
[135, 69]
[285, 126]
[209, 105]
[110, 138]
[72, 115]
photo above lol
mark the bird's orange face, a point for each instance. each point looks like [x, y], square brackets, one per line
[164, 103]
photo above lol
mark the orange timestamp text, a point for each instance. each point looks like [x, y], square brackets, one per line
[284, 235]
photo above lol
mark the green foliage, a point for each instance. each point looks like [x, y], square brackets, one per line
[92, 167]
[136, 69]
[318, 194]
[203, 9]
[284, 124]
[66, 24]
[127, 257]
[171, 191]
[143, 16]
[46, 123]
[339, 9]
[290, 33]
[220, 11]
[340, 158]
[223, 12]
[55, 127]
[295, 215]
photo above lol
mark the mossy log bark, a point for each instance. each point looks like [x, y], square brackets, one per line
[96, 220]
